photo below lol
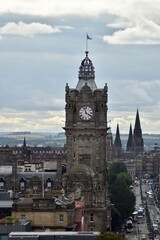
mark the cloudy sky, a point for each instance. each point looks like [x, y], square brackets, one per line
[42, 43]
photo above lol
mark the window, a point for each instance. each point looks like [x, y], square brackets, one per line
[22, 185]
[49, 184]
[1, 185]
[61, 217]
[23, 216]
[91, 217]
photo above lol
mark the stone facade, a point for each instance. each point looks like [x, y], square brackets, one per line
[43, 213]
[86, 131]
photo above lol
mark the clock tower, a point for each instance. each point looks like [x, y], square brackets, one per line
[86, 130]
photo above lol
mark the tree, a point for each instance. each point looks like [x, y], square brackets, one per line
[122, 198]
[115, 169]
[126, 177]
[110, 236]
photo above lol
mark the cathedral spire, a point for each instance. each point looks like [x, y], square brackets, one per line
[130, 139]
[117, 144]
[137, 137]
[117, 141]
[24, 143]
[137, 128]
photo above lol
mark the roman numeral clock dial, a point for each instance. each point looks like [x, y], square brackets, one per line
[85, 113]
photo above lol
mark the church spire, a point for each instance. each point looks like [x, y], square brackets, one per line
[137, 128]
[117, 141]
[117, 144]
[137, 137]
[24, 143]
[130, 139]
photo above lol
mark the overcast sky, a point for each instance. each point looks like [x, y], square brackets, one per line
[42, 43]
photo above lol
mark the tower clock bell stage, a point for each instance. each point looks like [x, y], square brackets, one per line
[86, 130]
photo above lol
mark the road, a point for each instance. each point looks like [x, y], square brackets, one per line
[141, 226]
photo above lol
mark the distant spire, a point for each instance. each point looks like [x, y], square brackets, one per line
[137, 128]
[130, 139]
[24, 142]
[117, 141]
[137, 137]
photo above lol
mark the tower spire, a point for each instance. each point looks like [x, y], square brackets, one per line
[130, 139]
[117, 144]
[137, 138]
[117, 141]
[137, 129]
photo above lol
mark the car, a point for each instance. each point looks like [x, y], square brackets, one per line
[143, 237]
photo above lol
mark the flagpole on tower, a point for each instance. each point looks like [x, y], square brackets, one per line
[87, 38]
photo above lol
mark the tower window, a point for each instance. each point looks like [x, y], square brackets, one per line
[91, 217]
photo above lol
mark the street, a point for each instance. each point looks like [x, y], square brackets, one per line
[147, 226]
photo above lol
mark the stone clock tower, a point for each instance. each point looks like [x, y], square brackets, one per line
[86, 130]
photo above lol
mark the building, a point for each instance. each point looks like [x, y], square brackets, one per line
[45, 213]
[86, 131]
[10, 224]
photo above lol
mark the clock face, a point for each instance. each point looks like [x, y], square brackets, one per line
[85, 113]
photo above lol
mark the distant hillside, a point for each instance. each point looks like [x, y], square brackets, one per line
[32, 139]
[59, 139]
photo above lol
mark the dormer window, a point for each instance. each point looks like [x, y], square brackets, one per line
[22, 184]
[2, 183]
[49, 183]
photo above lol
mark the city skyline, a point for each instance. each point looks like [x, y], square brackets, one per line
[43, 42]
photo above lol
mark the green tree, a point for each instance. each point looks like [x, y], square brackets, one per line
[122, 198]
[110, 236]
[126, 177]
[116, 219]
[115, 169]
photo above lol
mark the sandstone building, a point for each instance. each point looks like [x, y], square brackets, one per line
[86, 131]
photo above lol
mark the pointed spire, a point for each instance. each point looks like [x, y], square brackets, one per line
[137, 137]
[130, 139]
[137, 128]
[117, 141]
[24, 143]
